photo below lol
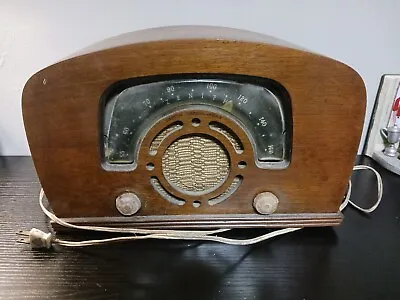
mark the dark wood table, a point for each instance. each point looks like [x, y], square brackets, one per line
[358, 260]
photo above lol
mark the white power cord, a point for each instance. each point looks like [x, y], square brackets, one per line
[39, 239]
[379, 182]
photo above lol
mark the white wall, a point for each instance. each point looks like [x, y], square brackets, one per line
[34, 34]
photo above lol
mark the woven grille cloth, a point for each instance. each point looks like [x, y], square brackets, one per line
[226, 132]
[229, 191]
[164, 134]
[195, 164]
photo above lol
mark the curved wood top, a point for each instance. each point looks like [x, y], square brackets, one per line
[184, 33]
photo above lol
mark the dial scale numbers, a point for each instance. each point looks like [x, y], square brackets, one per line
[259, 109]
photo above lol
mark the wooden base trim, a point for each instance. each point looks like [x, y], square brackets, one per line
[210, 221]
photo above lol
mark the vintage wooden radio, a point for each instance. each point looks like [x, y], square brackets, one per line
[195, 127]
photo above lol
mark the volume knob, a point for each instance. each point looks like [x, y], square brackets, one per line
[265, 203]
[128, 204]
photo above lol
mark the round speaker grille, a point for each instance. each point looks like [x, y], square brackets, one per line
[195, 164]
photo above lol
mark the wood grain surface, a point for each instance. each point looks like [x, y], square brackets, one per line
[358, 260]
[61, 109]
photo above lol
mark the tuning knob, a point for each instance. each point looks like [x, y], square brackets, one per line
[265, 203]
[128, 204]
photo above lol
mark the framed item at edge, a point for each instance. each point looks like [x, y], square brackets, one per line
[383, 116]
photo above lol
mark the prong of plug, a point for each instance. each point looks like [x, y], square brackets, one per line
[23, 232]
[23, 240]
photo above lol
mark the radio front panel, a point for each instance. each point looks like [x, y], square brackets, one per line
[193, 130]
